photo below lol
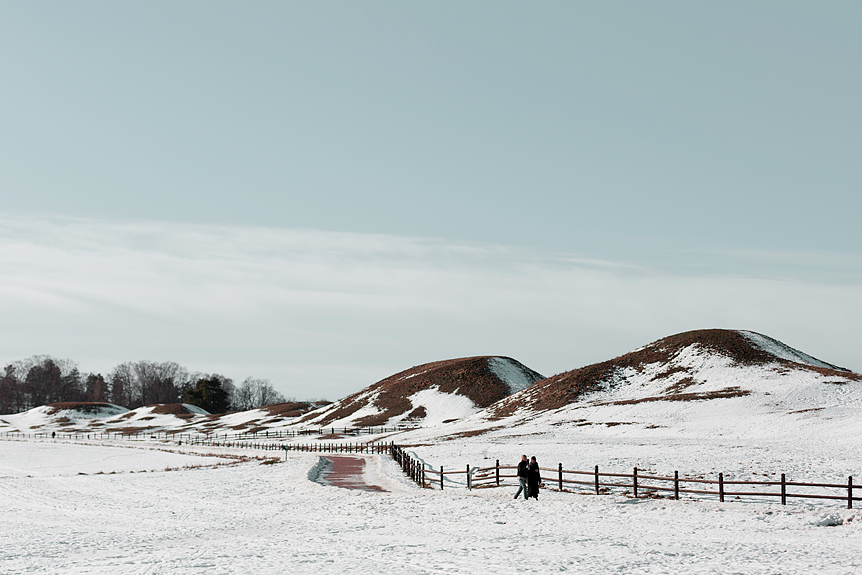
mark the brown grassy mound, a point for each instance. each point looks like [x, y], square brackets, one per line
[566, 388]
[170, 409]
[470, 377]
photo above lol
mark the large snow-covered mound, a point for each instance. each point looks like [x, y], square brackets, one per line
[429, 394]
[695, 365]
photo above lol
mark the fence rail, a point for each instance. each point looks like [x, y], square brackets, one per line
[485, 477]
[186, 436]
[635, 481]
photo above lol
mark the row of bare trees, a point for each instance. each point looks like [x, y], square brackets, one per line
[42, 380]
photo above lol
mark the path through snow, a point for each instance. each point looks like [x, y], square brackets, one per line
[343, 471]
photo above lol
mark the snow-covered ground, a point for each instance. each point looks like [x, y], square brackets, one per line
[261, 519]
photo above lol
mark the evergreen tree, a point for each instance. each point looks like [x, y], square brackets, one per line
[208, 394]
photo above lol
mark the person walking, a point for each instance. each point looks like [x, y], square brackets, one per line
[533, 478]
[523, 474]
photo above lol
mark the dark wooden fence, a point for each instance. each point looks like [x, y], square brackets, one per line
[189, 437]
[368, 448]
[639, 484]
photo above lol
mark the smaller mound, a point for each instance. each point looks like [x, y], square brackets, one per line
[84, 409]
[431, 393]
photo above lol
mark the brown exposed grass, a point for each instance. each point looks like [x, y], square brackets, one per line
[807, 410]
[669, 372]
[120, 418]
[677, 387]
[171, 409]
[718, 394]
[133, 430]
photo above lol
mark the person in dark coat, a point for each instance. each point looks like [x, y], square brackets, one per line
[533, 478]
[523, 474]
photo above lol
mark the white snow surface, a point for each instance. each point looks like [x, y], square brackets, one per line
[268, 519]
[512, 373]
[783, 351]
[22, 459]
[439, 406]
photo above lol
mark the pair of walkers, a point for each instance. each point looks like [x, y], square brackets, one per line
[529, 478]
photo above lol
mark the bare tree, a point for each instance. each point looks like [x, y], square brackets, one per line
[157, 382]
[254, 393]
[121, 380]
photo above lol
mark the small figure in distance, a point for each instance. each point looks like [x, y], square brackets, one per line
[523, 474]
[534, 478]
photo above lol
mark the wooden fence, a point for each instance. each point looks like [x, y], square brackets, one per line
[639, 484]
[189, 437]
[367, 448]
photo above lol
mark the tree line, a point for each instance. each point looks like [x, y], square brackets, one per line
[42, 380]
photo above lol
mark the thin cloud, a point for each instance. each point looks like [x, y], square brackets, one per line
[325, 313]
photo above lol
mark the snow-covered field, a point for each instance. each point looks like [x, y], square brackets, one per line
[76, 508]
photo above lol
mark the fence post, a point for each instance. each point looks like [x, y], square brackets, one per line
[561, 476]
[635, 482]
[721, 487]
[850, 492]
[469, 484]
[498, 472]
[676, 484]
[441, 478]
[597, 479]
[783, 490]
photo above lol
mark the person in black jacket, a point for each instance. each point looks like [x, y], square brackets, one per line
[523, 473]
[533, 478]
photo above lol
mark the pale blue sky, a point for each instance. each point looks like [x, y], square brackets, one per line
[696, 144]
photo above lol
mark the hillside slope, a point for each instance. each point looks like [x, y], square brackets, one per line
[429, 394]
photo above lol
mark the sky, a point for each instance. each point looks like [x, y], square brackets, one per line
[324, 194]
